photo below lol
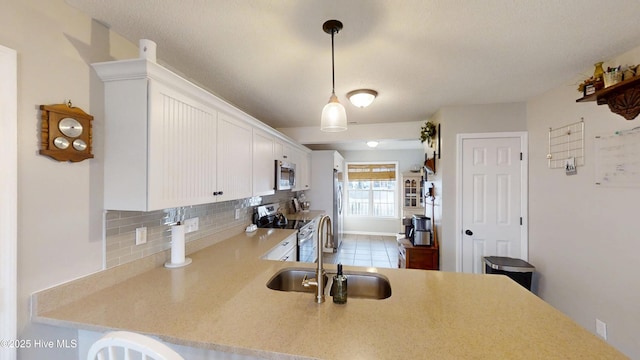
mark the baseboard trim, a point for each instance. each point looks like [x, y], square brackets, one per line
[369, 233]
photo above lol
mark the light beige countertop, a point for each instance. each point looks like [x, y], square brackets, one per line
[304, 215]
[220, 302]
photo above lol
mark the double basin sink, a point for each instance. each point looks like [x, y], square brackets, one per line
[363, 285]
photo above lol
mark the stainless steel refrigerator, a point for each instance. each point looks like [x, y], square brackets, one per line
[338, 224]
[326, 192]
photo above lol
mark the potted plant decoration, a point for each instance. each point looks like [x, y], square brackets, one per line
[427, 132]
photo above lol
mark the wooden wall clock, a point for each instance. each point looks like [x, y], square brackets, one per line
[66, 133]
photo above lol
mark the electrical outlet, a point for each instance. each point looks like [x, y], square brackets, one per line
[601, 328]
[237, 214]
[141, 236]
[191, 225]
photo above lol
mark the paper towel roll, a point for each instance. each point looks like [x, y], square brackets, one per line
[147, 50]
[177, 244]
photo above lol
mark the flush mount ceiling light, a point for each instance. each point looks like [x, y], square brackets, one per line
[372, 144]
[362, 97]
[334, 116]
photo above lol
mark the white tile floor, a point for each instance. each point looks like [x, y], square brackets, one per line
[366, 250]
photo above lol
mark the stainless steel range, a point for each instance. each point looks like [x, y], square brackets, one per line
[271, 216]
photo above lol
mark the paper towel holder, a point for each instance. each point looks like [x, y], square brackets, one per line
[171, 265]
[177, 250]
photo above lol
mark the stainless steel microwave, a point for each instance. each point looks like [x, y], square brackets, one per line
[285, 175]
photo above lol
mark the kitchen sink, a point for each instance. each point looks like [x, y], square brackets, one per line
[362, 285]
[291, 280]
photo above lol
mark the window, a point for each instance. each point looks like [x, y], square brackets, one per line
[372, 189]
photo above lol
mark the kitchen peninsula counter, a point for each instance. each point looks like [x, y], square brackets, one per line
[220, 302]
[305, 215]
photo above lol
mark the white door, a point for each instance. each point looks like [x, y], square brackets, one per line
[492, 198]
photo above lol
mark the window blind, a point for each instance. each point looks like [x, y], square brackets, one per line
[371, 172]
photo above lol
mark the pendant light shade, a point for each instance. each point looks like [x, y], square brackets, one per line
[334, 116]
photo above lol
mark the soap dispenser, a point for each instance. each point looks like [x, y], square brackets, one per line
[340, 287]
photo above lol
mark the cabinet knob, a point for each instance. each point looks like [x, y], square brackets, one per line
[216, 193]
[468, 232]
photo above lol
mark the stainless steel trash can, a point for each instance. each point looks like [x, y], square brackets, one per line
[518, 270]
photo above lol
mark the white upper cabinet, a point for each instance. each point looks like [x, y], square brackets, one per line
[181, 154]
[338, 162]
[156, 139]
[263, 163]
[234, 158]
[170, 143]
[302, 159]
[283, 151]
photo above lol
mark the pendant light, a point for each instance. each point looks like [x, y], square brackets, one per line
[334, 116]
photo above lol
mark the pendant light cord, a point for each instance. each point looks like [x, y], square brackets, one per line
[333, 70]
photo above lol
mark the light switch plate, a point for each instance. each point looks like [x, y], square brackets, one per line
[141, 235]
[601, 328]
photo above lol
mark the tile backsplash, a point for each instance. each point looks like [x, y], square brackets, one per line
[120, 226]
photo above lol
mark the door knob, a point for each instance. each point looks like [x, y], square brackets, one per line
[468, 232]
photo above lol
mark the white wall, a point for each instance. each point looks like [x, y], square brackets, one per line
[583, 238]
[457, 120]
[59, 204]
[405, 159]
[8, 194]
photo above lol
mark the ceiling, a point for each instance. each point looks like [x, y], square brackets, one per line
[273, 60]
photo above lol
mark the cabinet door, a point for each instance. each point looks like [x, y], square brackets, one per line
[303, 170]
[181, 150]
[283, 151]
[234, 158]
[307, 171]
[283, 249]
[263, 163]
[422, 259]
[338, 162]
[412, 193]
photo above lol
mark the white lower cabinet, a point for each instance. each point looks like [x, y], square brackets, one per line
[284, 251]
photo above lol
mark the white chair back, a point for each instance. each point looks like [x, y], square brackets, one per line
[124, 345]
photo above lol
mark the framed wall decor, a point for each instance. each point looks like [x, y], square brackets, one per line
[66, 133]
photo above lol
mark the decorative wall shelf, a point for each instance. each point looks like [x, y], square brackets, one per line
[623, 98]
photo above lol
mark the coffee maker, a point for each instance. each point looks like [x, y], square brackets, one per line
[421, 232]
